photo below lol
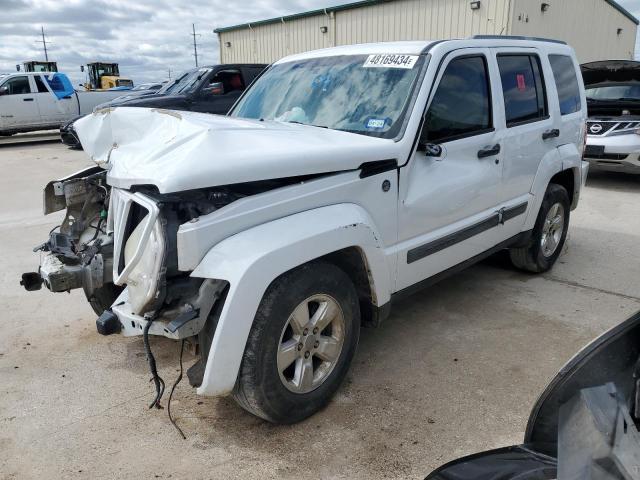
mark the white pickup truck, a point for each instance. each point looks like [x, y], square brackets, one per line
[39, 101]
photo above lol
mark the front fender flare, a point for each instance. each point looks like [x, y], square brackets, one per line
[252, 259]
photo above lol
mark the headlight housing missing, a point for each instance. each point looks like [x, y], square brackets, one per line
[142, 280]
[139, 246]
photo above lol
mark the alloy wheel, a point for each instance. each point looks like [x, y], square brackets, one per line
[311, 343]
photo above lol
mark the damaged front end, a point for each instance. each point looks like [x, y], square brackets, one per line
[119, 246]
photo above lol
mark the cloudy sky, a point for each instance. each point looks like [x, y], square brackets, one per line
[147, 37]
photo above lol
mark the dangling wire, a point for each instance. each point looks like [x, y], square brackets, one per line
[159, 383]
[173, 422]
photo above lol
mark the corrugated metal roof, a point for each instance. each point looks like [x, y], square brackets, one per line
[310, 13]
[362, 3]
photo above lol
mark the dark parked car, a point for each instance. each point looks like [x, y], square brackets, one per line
[212, 89]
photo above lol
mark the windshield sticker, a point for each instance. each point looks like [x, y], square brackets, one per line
[377, 123]
[391, 61]
[522, 86]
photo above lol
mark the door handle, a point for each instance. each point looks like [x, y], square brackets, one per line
[27, 99]
[489, 151]
[553, 133]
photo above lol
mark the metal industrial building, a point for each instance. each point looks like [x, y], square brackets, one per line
[597, 29]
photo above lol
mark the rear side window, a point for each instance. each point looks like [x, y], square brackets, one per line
[40, 84]
[461, 106]
[523, 88]
[564, 73]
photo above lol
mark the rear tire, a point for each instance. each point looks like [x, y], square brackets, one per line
[548, 235]
[301, 344]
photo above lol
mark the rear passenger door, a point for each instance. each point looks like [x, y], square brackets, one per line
[530, 133]
[571, 119]
[51, 111]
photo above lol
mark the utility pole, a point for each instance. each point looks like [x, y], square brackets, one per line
[195, 45]
[44, 44]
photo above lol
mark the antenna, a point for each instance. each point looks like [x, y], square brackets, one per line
[44, 44]
[195, 45]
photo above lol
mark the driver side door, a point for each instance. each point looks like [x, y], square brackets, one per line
[18, 106]
[448, 203]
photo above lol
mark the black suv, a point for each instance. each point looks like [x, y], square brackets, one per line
[211, 89]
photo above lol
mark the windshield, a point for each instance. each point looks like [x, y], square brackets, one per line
[615, 92]
[365, 94]
[186, 82]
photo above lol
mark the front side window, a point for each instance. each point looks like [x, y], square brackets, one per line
[567, 85]
[461, 106]
[17, 86]
[522, 87]
[231, 81]
[363, 94]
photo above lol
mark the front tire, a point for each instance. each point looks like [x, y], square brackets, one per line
[548, 235]
[301, 344]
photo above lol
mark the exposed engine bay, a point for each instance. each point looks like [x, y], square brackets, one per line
[79, 250]
[79, 253]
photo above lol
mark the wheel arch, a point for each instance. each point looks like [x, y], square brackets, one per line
[353, 261]
[560, 166]
[567, 179]
[250, 261]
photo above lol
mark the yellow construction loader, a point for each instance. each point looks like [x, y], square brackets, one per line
[104, 76]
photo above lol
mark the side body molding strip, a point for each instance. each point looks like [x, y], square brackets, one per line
[435, 246]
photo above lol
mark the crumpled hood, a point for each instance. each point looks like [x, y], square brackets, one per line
[610, 71]
[178, 151]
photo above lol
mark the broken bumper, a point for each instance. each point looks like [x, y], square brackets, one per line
[58, 276]
[178, 323]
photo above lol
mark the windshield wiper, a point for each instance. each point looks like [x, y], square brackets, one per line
[309, 124]
[628, 99]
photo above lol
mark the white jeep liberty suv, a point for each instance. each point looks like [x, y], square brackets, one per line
[342, 180]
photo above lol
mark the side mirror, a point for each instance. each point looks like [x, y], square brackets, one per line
[4, 90]
[216, 88]
[430, 149]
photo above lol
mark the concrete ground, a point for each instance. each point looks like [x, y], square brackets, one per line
[455, 370]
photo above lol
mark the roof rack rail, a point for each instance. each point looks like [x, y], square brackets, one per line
[517, 37]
